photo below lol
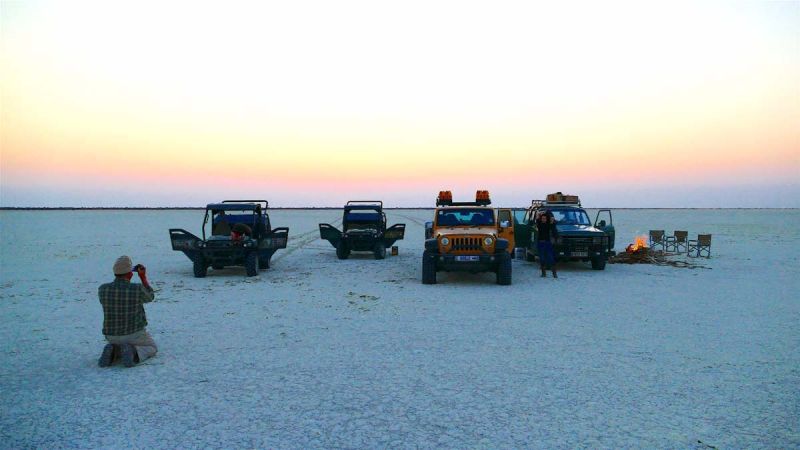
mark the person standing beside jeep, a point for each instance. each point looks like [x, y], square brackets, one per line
[124, 319]
[546, 234]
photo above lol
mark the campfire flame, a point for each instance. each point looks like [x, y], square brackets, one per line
[638, 245]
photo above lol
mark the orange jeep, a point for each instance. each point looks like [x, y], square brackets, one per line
[466, 236]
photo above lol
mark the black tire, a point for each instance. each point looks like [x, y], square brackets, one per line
[263, 263]
[200, 267]
[217, 266]
[380, 251]
[428, 268]
[251, 264]
[504, 269]
[342, 250]
[599, 263]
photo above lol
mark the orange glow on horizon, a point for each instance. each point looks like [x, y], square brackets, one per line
[332, 109]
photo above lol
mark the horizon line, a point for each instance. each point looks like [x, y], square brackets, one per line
[193, 208]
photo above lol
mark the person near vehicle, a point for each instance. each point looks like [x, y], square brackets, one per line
[221, 226]
[124, 319]
[240, 231]
[546, 234]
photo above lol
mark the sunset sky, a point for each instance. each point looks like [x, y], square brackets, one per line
[628, 104]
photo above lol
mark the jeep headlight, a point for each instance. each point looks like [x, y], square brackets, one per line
[445, 241]
[487, 241]
[200, 244]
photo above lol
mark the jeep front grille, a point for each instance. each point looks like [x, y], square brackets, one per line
[466, 243]
[578, 240]
[577, 244]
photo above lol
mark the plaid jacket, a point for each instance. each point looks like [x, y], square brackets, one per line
[122, 302]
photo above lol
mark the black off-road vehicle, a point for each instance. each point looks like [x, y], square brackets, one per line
[363, 230]
[240, 235]
[578, 239]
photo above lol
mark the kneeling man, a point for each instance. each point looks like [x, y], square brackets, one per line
[124, 320]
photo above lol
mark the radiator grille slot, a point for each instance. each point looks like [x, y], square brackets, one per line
[466, 243]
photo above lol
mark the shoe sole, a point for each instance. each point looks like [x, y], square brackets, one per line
[107, 358]
[128, 355]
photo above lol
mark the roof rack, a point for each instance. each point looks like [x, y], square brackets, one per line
[365, 202]
[233, 204]
[544, 203]
[445, 198]
[266, 203]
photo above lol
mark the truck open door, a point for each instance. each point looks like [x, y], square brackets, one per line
[522, 230]
[394, 233]
[505, 227]
[330, 233]
[604, 222]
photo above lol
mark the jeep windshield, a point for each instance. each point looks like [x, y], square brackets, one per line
[454, 217]
[571, 217]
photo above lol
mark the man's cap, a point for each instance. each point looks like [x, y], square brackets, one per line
[123, 265]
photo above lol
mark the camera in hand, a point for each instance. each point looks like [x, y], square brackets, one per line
[137, 267]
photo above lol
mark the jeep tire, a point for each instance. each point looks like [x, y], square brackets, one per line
[342, 250]
[251, 264]
[200, 267]
[503, 269]
[380, 251]
[428, 268]
[599, 263]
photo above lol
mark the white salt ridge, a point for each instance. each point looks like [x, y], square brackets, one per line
[317, 352]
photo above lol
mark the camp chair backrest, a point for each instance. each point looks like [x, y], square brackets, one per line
[681, 236]
[657, 239]
[700, 246]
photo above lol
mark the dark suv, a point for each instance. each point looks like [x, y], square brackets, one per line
[363, 230]
[240, 234]
[578, 238]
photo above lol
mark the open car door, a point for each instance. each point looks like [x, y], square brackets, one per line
[394, 233]
[183, 241]
[505, 227]
[275, 239]
[604, 222]
[330, 233]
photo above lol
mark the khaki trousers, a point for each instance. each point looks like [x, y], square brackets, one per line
[144, 343]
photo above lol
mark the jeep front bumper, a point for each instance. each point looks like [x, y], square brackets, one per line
[466, 263]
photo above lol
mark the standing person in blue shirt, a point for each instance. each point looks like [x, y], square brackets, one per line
[546, 234]
[124, 320]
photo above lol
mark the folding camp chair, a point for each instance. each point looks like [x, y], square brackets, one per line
[657, 239]
[677, 242]
[701, 245]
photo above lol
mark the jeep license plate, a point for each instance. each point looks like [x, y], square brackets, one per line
[467, 258]
[580, 254]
